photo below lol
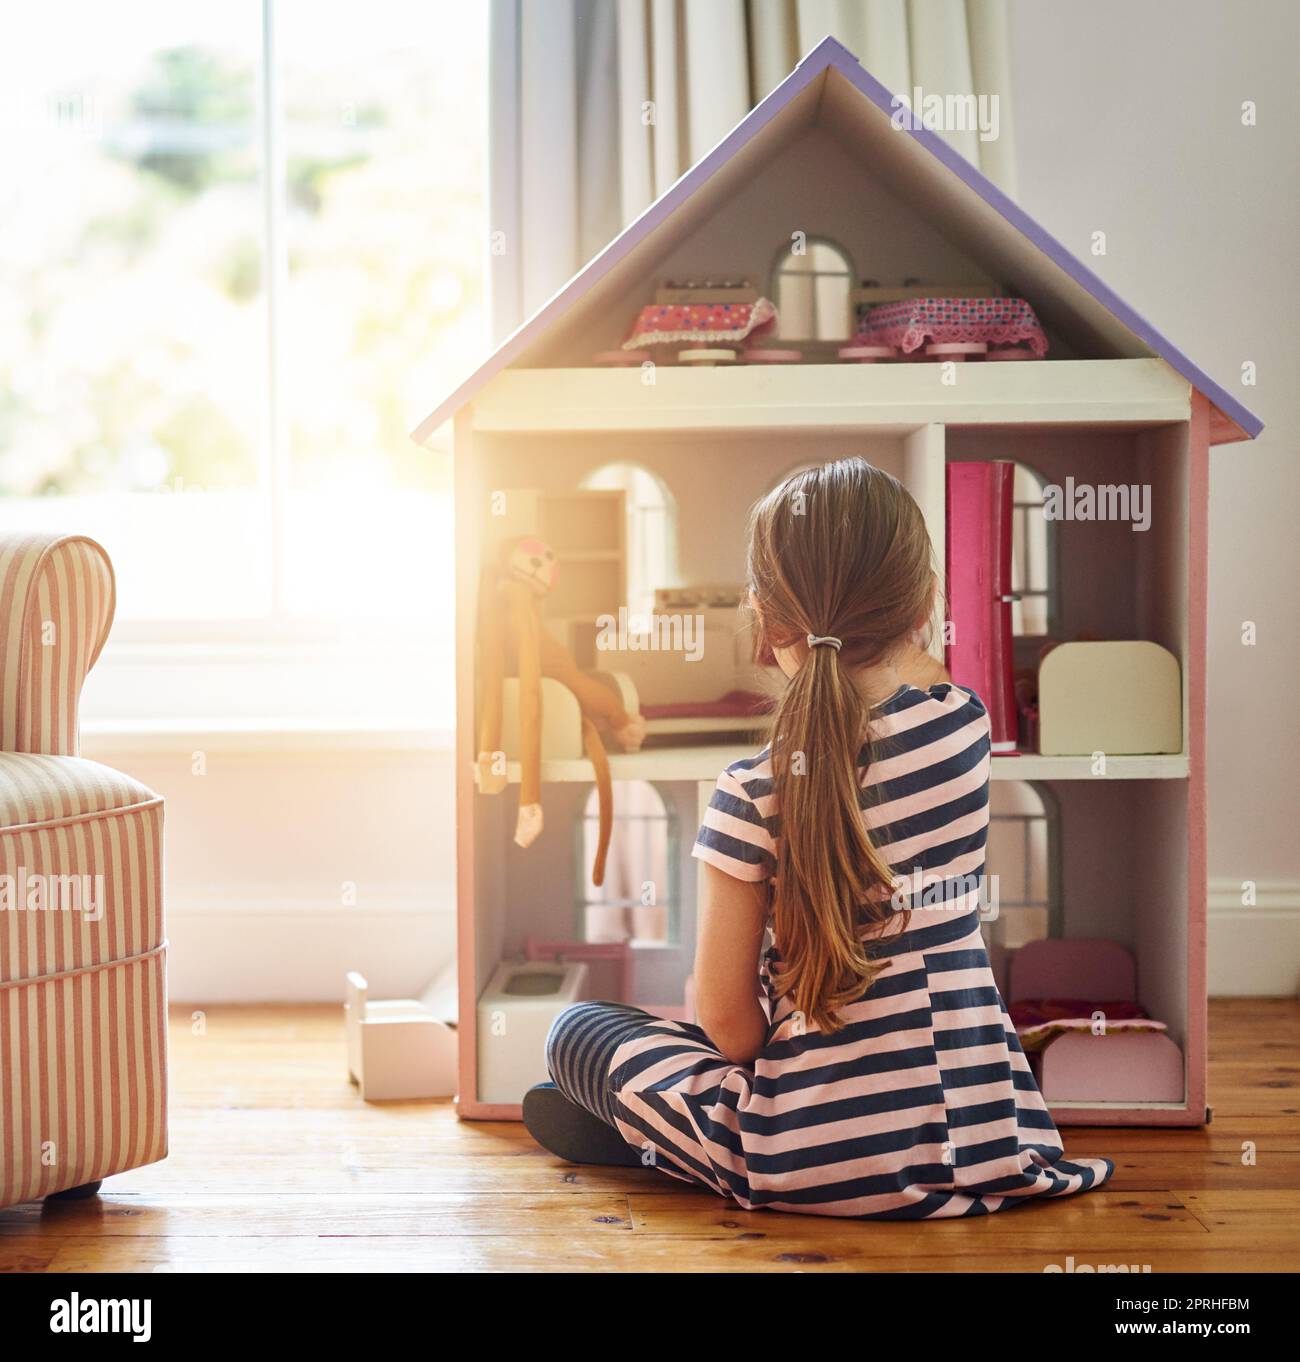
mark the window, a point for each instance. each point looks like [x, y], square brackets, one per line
[243, 251]
[131, 266]
[811, 289]
[1023, 852]
[651, 530]
[636, 902]
[1033, 614]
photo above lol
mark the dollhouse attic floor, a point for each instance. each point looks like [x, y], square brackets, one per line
[277, 1165]
[1123, 393]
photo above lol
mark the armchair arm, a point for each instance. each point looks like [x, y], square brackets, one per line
[56, 605]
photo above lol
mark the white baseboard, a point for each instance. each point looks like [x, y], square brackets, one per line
[1254, 950]
[237, 948]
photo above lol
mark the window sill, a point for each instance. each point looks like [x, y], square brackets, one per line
[134, 644]
[108, 738]
[264, 693]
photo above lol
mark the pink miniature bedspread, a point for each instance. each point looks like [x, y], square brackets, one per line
[1040, 1020]
[943, 321]
[700, 323]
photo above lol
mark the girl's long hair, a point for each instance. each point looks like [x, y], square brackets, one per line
[839, 550]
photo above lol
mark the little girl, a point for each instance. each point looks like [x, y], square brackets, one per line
[864, 1063]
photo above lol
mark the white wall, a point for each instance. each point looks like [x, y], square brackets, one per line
[293, 856]
[1128, 121]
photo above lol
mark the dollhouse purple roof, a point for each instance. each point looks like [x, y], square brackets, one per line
[830, 84]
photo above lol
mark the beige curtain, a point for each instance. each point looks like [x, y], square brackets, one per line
[598, 106]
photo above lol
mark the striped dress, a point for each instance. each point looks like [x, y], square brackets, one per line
[922, 1105]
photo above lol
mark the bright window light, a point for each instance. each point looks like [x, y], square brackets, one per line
[243, 254]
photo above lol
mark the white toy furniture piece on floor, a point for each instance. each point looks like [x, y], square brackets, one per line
[397, 1049]
[515, 1013]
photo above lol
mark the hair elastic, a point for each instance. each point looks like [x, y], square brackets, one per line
[816, 641]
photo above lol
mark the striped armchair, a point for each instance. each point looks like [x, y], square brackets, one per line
[83, 1060]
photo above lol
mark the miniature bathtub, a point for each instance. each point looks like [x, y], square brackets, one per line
[515, 1013]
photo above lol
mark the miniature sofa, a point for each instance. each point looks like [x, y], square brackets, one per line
[83, 1058]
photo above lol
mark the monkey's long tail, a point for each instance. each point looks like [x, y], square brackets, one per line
[595, 749]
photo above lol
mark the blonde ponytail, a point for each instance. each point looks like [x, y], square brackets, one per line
[838, 555]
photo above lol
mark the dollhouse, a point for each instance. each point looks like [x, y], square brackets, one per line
[757, 318]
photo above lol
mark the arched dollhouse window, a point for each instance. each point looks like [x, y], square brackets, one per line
[811, 288]
[1023, 852]
[638, 901]
[651, 530]
[1033, 545]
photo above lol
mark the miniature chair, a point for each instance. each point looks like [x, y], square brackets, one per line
[83, 1003]
[397, 1049]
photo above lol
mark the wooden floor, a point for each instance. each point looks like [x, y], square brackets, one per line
[277, 1164]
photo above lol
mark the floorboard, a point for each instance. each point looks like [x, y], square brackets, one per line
[276, 1164]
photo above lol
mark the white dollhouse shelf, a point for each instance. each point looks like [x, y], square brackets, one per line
[704, 762]
[891, 398]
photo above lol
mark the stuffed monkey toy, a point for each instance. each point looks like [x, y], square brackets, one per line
[512, 641]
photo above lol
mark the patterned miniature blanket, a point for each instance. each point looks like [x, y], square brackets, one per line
[943, 321]
[700, 323]
[1040, 1020]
